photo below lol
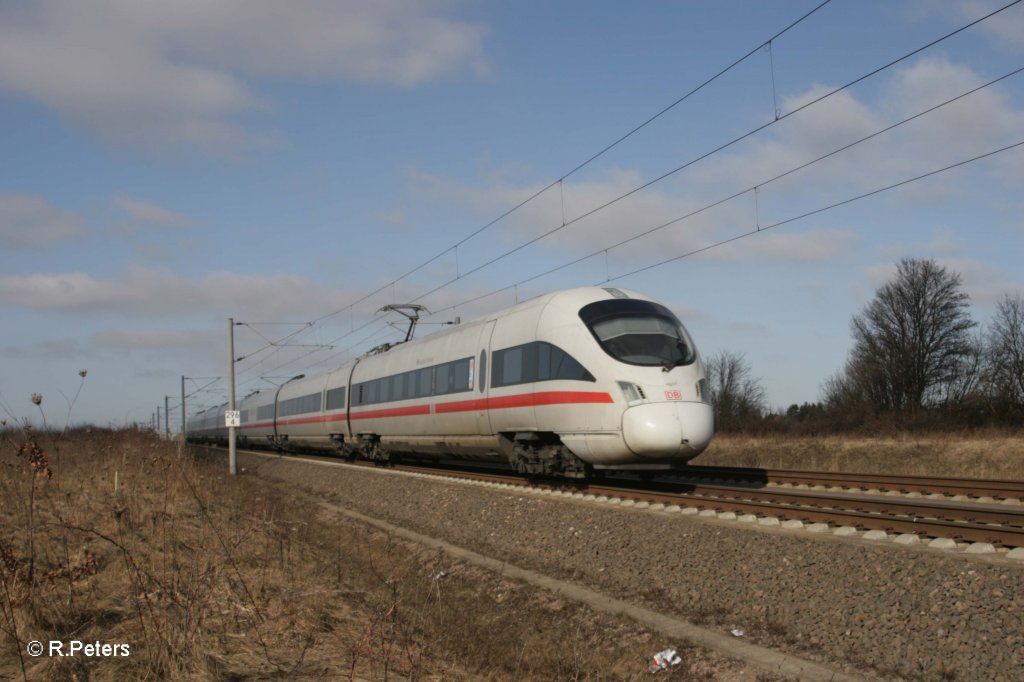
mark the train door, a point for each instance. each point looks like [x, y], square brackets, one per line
[481, 372]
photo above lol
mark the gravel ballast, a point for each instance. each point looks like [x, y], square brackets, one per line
[880, 610]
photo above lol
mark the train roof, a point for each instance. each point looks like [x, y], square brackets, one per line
[576, 297]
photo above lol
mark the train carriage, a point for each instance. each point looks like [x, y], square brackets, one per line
[568, 382]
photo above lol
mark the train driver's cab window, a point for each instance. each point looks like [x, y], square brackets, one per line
[639, 333]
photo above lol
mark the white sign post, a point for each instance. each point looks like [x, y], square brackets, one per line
[232, 418]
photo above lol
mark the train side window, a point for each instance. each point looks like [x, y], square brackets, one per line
[425, 382]
[483, 371]
[565, 366]
[508, 367]
[460, 376]
[336, 398]
[442, 379]
[529, 363]
[537, 361]
[301, 405]
[544, 361]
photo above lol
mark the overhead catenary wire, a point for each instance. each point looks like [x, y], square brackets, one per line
[822, 209]
[271, 344]
[604, 150]
[462, 274]
[591, 158]
[752, 188]
[758, 230]
[717, 149]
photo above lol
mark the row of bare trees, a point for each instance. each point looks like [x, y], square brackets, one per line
[917, 349]
[917, 357]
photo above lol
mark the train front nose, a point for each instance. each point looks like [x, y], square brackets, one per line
[669, 429]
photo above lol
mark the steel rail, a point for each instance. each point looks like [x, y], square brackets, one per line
[942, 485]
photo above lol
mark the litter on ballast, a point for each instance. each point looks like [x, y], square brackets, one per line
[737, 632]
[663, 659]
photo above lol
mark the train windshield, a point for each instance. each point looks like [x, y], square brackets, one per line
[639, 333]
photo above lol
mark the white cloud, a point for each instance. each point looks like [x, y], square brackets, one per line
[148, 214]
[32, 221]
[977, 124]
[142, 291]
[981, 122]
[570, 204]
[49, 349]
[146, 339]
[879, 274]
[628, 219]
[943, 243]
[1006, 28]
[396, 218]
[985, 283]
[164, 73]
[789, 247]
[29, 221]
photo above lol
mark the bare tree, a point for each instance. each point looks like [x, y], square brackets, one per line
[1004, 353]
[738, 396]
[912, 341]
[966, 382]
[861, 383]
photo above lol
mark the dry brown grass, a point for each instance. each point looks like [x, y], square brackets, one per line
[996, 454]
[205, 576]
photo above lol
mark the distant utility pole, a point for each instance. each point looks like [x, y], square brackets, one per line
[183, 408]
[156, 424]
[232, 463]
[167, 420]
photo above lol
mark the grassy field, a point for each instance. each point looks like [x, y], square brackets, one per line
[993, 454]
[119, 538]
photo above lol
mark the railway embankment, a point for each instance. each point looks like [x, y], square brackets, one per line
[878, 611]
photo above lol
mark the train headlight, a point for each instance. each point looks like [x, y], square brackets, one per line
[631, 392]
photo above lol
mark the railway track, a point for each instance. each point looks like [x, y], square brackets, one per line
[959, 510]
[951, 518]
[981, 489]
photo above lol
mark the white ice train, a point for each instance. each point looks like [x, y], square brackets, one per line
[564, 384]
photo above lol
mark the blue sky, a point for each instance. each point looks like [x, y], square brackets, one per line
[170, 165]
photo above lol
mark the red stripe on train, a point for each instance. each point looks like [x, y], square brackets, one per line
[498, 403]
[525, 400]
[409, 411]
